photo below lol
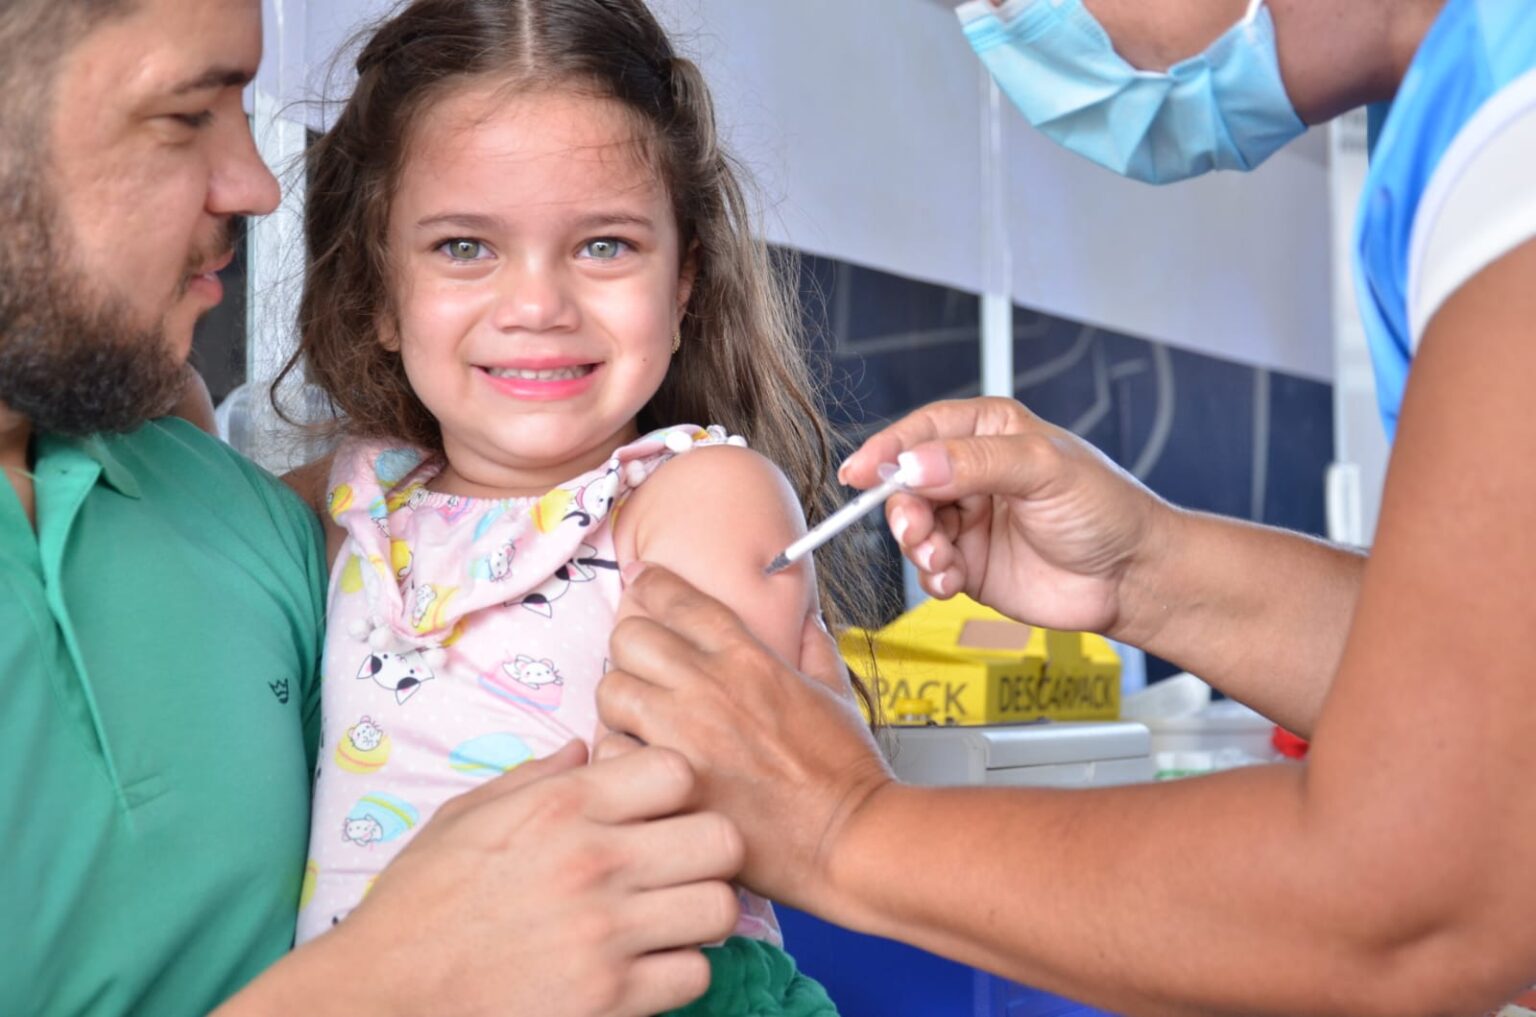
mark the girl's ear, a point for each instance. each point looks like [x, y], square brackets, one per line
[687, 273]
[389, 334]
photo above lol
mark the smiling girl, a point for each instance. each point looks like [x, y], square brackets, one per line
[532, 280]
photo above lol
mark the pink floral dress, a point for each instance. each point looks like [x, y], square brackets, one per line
[464, 637]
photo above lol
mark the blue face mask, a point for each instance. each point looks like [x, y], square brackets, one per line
[1223, 109]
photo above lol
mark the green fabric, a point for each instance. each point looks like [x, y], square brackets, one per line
[159, 641]
[753, 979]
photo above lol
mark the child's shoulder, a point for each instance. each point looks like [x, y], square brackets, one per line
[375, 463]
[716, 515]
[364, 480]
[714, 473]
[715, 492]
[707, 468]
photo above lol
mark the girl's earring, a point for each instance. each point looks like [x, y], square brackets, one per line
[677, 340]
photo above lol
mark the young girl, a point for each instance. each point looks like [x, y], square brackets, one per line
[531, 279]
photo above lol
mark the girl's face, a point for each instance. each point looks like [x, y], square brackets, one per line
[538, 282]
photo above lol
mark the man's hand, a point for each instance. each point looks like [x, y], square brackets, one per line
[558, 890]
[785, 756]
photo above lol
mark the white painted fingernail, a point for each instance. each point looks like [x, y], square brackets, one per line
[925, 557]
[899, 527]
[941, 584]
[911, 470]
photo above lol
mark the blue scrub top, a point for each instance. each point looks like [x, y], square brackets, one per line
[1474, 49]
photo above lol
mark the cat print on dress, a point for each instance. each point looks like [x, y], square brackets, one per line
[533, 673]
[365, 734]
[582, 568]
[362, 831]
[501, 561]
[400, 673]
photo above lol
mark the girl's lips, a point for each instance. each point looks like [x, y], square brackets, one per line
[542, 389]
[542, 367]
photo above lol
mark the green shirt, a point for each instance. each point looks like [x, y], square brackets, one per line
[159, 647]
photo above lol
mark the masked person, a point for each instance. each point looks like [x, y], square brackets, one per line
[1387, 875]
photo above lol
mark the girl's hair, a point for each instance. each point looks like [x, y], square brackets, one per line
[741, 363]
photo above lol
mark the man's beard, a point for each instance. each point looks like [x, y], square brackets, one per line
[72, 361]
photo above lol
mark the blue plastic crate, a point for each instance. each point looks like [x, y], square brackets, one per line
[871, 977]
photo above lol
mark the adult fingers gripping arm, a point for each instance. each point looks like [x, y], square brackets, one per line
[557, 889]
[786, 757]
[1030, 519]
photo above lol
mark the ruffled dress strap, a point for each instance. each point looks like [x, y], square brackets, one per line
[428, 560]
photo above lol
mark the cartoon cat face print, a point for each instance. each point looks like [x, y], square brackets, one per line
[366, 735]
[582, 568]
[533, 673]
[501, 561]
[400, 673]
[421, 603]
[594, 499]
[362, 832]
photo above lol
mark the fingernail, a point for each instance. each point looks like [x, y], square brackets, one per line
[842, 471]
[629, 573]
[899, 527]
[925, 557]
[927, 466]
[941, 584]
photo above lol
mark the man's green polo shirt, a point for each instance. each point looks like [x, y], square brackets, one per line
[159, 647]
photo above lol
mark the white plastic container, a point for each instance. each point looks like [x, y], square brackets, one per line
[1191, 734]
[1221, 726]
[1063, 754]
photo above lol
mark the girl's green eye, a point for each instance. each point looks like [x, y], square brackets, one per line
[605, 249]
[463, 250]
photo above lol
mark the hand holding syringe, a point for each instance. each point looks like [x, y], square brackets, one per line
[892, 481]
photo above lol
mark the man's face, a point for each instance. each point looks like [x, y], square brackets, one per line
[122, 214]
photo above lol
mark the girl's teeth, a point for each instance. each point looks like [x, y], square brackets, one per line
[559, 374]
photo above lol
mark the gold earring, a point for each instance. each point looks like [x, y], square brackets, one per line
[677, 340]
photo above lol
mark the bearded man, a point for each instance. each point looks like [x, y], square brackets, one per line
[160, 608]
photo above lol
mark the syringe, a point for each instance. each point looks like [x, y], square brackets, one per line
[891, 482]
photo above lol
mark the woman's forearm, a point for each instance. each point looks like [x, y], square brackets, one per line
[1134, 900]
[1260, 613]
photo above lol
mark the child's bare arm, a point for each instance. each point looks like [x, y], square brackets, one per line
[716, 516]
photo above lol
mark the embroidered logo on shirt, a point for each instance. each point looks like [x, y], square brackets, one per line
[280, 690]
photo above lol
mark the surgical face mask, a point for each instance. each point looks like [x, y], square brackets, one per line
[1223, 109]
